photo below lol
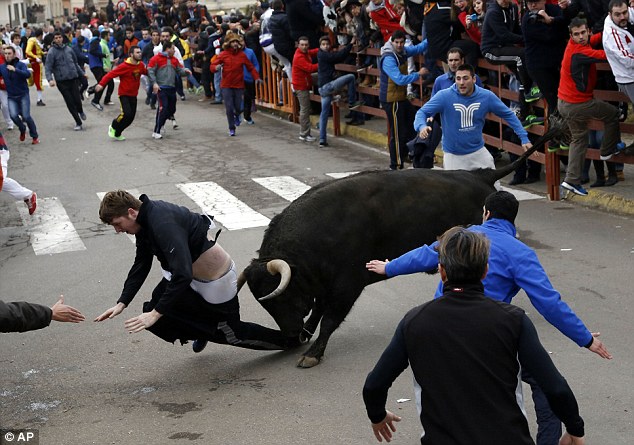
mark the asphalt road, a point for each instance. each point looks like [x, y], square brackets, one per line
[96, 384]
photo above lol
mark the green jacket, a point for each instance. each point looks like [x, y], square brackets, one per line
[107, 63]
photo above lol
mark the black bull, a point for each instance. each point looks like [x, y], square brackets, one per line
[328, 234]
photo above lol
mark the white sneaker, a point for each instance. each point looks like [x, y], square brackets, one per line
[157, 135]
[307, 138]
[10, 127]
[174, 124]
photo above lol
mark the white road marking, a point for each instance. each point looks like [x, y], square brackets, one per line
[133, 192]
[341, 175]
[522, 195]
[287, 187]
[50, 228]
[228, 210]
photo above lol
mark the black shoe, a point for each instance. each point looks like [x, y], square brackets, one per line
[199, 345]
[612, 180]
[152, 106]
[355, 122]
[598, 183]
[147, 100]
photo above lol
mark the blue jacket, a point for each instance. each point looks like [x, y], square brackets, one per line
[16, 81]
[512, 266]
[254, 60]
[393, 67]
[447, 80]
[462, 118]
[95, 55]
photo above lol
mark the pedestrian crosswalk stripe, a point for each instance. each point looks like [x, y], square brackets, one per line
[522, 195]
[226, 209]
[50, 228]
[133, 192]
[341, 175]
[287, 187]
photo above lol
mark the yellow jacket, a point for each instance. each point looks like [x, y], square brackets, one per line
[188, 51]
[33, 49]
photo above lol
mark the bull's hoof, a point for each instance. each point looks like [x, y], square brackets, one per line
[307, 362]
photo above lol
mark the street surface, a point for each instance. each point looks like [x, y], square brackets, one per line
[95, 384]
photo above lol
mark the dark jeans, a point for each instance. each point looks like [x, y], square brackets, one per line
[548, 82]
[72, 97]
[193, 318]
[232, 97]
[400, 116]
[166, 107]
[126, 117]
[548, 425]
[249, 97]
[205, 78]
[20, 111]
[99, 73]
[513, 58]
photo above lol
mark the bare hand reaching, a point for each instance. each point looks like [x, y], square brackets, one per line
[112, 312]
[66, 314]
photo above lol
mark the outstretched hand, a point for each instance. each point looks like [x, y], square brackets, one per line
[385, 428]
[377, 266]
[141, 322]
[66, 314]
[567, 439]
[111, 313]
[598, 347]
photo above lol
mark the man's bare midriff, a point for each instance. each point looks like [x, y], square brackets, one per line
[211, 264]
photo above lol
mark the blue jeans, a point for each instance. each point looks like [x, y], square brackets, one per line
[548, 424]
[217, 79]
[21, 106]
[326, 92]
[191, 79]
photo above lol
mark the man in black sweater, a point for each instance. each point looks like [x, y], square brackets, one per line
[466, 351]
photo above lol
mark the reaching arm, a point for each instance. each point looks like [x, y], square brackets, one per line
[22, 316]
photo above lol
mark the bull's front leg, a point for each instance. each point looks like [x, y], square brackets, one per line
[331, 320]
[313, 321]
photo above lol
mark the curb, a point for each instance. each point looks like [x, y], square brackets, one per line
[356, 132]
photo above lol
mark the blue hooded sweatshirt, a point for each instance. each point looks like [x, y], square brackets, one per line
[462, 118]
[512, 266]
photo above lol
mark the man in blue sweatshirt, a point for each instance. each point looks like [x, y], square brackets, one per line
[512, 266]
[463, 109]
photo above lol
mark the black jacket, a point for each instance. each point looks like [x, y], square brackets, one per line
[22, 316]
[281, 33]
[327, 60]
[304, 21]
[177, 237]
[501, 27]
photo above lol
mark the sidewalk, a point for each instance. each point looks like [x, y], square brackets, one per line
[617, 199]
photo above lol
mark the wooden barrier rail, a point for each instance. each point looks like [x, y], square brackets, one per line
[269, 97]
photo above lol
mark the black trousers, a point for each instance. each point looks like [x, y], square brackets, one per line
[400, 116]
[548, 82]
[166, 107]
[205, 78]
[126, 116]
[249, 97]
[99, 73]
[72, 98]
[513, 58]
[193, 318]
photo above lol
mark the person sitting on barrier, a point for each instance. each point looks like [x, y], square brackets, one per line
[329, 84]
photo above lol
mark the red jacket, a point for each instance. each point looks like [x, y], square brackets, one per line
[232, 68]
[2, 85]
[129, 75]
[579, 71]
[303, 66]
[386, 19]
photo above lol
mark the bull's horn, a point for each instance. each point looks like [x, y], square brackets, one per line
[274, 267]
[241, 280]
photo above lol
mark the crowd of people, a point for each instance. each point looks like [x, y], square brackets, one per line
[158, 47]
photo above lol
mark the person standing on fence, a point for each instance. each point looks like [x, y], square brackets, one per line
[303, 68]
[467, 353]
[463, 109]
[393, 93]
[618, 43]
[329, 84]
[233, 61]
[512, 266]
[577, 104]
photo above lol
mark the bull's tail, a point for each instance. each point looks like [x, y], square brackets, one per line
[495, 175]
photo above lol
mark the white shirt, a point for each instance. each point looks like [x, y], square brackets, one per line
[618, 44]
